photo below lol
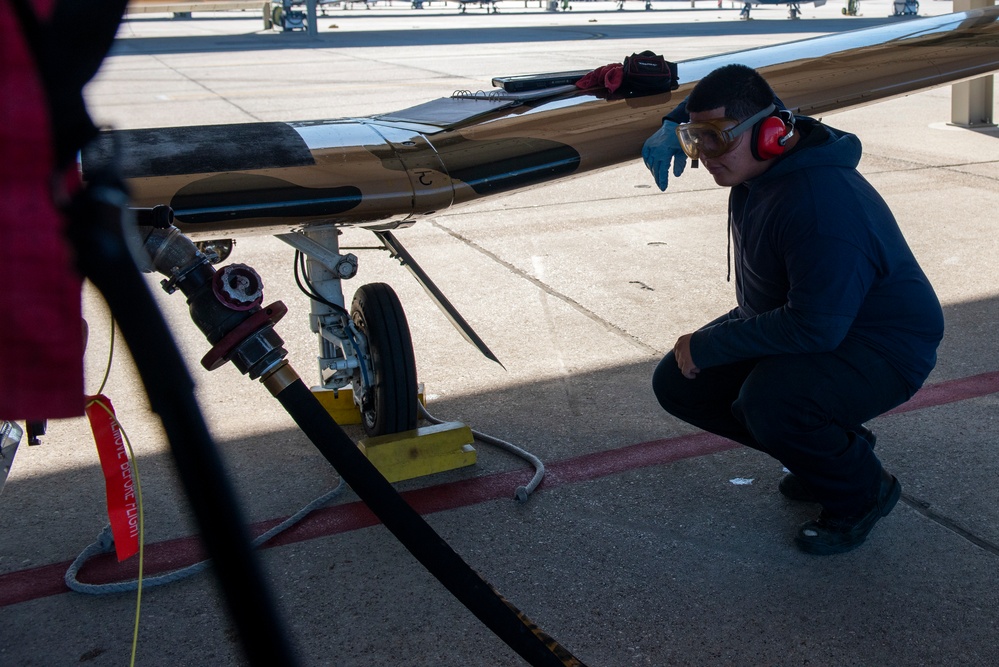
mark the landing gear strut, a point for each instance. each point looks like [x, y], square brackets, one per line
[369, 348]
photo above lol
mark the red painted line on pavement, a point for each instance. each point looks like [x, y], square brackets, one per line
[951, 391]
[34, 583]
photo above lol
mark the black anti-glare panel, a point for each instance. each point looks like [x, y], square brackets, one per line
[202, 149]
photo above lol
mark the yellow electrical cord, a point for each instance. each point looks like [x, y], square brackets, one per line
[107, 367]
[138, 493]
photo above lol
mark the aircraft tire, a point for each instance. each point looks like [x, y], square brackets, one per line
[391, 404]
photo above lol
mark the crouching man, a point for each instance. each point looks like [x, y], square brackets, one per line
[835, 321]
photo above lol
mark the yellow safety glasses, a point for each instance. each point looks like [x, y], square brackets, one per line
[713, 138]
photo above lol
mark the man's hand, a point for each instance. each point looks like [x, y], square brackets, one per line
[681, 350]
[662, 148]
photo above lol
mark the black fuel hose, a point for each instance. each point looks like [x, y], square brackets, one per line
[104, 257]
[429, 548]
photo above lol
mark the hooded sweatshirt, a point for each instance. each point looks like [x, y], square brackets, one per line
[820, 259]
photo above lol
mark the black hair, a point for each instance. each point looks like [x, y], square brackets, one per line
[738, 88]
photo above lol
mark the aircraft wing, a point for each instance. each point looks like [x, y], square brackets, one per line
[389, 170]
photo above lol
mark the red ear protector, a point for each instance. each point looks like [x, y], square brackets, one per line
[771, 135]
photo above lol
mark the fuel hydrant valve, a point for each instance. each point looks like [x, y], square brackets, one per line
[238, 286]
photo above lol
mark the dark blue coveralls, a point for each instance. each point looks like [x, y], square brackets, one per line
[836, 323]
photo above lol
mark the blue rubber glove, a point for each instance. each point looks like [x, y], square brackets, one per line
[662, 148]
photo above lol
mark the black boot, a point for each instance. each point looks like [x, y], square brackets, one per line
[793, 488]
[831, 534]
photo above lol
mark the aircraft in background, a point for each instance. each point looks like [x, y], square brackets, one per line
[794, 8]
[301, 181]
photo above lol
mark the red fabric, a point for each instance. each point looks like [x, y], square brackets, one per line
[119, 485]
[609, 77]
[41, 337]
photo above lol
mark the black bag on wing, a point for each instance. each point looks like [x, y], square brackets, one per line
[648, 73]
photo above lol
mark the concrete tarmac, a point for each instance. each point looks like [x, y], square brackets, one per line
[649, 543]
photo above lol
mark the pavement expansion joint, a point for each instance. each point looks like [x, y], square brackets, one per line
[550, 291]
[923, 507]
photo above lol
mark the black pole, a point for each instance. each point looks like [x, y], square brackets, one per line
[429, 548]
[103, 257]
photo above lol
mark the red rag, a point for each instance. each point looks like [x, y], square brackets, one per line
[614, 77]
[608, 76]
